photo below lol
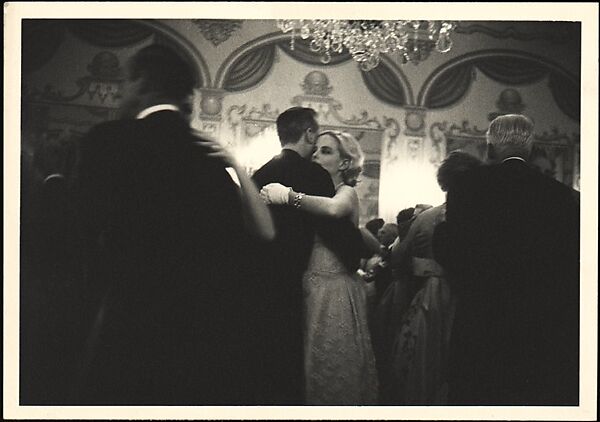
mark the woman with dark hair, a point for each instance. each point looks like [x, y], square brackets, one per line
[419, 353]
[339, 364]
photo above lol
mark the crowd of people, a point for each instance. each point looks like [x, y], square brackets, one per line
[150, 277]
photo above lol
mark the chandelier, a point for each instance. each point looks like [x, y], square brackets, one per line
[367, 40]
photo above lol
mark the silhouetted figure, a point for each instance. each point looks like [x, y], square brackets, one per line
[511, 250]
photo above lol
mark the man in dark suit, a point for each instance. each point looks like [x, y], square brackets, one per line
[511, 249]
[158, 217]
[287, 257]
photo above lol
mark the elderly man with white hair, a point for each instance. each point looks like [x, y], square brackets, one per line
[511, 250]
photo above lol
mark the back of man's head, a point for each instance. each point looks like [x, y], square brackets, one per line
[452, 168]
[374, 225]
[293, 122]
[404, 219]
[510, 135]
[163, 72]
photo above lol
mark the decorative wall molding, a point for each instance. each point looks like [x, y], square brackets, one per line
[439, 132]
[103, 82]
[255, 120]
[554, 153]
[509, 102]
[555, 137]
[414, 121]
[211, 101]
[390, 147]
[460, 67]
[217, 30]
[316, 83]
[96, 90]
[210, 125]
[464, 129]
[329, 112]
[559, 35]
[414, 148]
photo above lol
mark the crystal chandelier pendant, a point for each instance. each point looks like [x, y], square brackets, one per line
[443, 44]
[367, 40]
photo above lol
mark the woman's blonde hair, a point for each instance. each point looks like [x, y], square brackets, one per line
[349, 150]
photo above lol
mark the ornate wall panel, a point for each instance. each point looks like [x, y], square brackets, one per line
[255, 138]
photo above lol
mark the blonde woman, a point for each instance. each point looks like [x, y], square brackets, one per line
[339, 361]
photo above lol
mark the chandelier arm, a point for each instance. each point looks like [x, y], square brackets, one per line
[368, 40]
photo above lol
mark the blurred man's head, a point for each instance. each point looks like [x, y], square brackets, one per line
[509, 136]
[453, 166]
[387, 234]
[298, 129]
[156, 74]
[374, 225]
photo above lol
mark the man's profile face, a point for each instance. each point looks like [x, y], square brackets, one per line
[312, 133]
[130, 94]
[387, 234]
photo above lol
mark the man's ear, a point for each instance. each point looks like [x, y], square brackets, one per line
[311, 136]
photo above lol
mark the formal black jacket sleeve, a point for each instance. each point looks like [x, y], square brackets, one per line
[460, 240]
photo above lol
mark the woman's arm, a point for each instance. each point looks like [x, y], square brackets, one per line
[401, 248]
[341, 205]
[256, 214]
[371, 242]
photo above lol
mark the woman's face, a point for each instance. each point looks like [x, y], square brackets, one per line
[327, 154]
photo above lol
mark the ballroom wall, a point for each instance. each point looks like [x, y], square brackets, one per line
[406, 116]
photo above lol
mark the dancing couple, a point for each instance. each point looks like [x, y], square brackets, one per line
[204, 294]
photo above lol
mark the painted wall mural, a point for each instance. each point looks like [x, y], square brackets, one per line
[553, 153]
[255, 137]
[217, 30]
[408, 118]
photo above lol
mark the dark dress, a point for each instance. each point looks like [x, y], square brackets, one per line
[159, 218]
[511, 250]
[282, 264]
[420, 351]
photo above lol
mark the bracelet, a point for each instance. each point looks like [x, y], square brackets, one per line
[297, 198]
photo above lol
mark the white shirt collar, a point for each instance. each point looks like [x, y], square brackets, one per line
[153, 109]
[54, 176]
[513, 158]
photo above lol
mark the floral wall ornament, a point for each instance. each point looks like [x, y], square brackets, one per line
[554, 153]
[211, 102]
[234, 116]
[414, 146]
[251, 121]
[263, 113]
[414, 121]
[105, 65]
[316, 83]
[390, 145]
[509, 102]
[102, 83]
[328, 112]
[217, 30]
[555, 136]
[446, 137]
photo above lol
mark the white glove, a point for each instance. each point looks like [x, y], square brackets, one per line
[275, 194]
